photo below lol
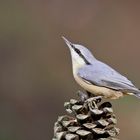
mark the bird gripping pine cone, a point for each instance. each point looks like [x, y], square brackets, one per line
[97, 77]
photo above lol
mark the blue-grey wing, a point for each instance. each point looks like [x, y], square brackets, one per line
[103, 75]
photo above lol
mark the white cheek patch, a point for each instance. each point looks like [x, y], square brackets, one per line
[76, 59]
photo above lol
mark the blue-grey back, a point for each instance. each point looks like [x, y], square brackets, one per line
[101, 74]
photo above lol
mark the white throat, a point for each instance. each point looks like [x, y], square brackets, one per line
[77, 61]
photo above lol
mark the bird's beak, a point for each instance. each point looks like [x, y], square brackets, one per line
[70, 45]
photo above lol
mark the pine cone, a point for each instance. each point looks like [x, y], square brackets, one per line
[89, 120]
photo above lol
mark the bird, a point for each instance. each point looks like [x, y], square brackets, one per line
[96, 77]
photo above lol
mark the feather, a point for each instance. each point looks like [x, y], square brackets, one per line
[103, 75]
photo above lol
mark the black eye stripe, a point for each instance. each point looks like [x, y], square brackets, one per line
[82, 56]
[72, 46]
[78, 51]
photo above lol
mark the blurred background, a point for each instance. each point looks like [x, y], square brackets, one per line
[35, 64]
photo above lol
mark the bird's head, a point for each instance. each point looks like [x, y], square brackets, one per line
[80, 54]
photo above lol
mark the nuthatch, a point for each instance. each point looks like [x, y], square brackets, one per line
[97, 77]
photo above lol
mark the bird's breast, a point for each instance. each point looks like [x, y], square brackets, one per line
[98, 90]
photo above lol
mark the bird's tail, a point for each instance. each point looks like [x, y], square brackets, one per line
[137, 93]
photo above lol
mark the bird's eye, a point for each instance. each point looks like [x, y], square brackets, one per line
[78, 51]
